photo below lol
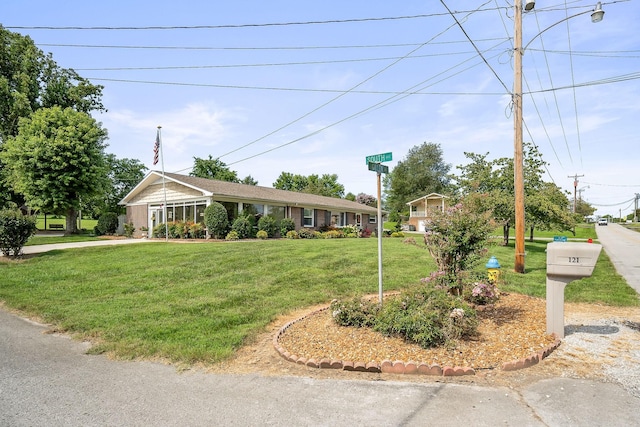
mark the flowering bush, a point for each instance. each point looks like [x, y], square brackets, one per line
[350, 231]
[484, 293]
[262, 235]
[292, 234]
[457, 239]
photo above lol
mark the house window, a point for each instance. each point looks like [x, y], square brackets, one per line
[276, 212]
[338, 219]
[307, 217]
[372, 219]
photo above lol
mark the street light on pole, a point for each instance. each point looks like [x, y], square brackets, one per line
[518, 158]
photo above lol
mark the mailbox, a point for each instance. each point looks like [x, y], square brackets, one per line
[572, 259]
[566, 262]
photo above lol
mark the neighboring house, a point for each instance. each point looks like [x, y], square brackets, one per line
[419, 209]
[188, 196]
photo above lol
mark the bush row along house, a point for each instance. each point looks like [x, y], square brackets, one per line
[188, 196]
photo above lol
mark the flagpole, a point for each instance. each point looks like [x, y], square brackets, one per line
[164, 188]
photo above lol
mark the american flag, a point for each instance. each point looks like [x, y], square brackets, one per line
[156, 149]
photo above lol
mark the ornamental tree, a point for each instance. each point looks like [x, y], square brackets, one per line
[56, 160]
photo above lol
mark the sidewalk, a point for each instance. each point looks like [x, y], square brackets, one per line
[36, 249]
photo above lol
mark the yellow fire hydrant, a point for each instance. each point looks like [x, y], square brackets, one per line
[493, 270]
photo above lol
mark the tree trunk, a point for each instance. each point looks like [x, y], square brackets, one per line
[505, 233]
[531, 234]
[72, 222]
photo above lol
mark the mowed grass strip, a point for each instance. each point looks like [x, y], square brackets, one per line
[199, 302]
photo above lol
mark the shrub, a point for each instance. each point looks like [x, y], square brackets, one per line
[365, 233]
[287, 225]
[397, 234]
[196, 230]
[216, 220]
[350, 231]
[158, 231]
[268, 225]
[243, 227]
[15, 231]
[107, 223]
[292, 234]
[354, 312]
[332, 234]
[128, 230]
[262, 235]
[484, 293]
[457, 239]
[306, 233]
[232, 235]
[428, 317]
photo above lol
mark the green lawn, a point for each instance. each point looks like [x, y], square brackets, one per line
[199, 302]
[85, 224]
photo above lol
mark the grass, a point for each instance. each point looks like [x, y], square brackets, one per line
[47, 239]
[86, 224]
[199, 302]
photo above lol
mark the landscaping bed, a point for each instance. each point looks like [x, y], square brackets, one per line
[512, 329]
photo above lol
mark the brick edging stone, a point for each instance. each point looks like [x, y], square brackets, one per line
[398, 366]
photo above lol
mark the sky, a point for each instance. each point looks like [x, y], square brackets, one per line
[316, 87]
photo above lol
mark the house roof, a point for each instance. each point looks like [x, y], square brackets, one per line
[254, 193]
[429, 196]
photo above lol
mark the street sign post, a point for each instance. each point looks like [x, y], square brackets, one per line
[377, 167]
[379, 158]
[373, 163]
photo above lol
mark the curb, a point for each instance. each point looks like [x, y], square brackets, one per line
[398, 366]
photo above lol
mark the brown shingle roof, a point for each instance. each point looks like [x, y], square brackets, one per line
[268, 194]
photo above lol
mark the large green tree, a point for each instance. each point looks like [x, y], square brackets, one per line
[123, 175]
[421, 172]
[57, 159]
[491, 183]
[30, 80]
[325, 185]
[217, 169]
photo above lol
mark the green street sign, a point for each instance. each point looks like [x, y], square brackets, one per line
[379, 158]
[377, 167]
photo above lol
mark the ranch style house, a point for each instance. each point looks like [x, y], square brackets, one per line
[188, 196]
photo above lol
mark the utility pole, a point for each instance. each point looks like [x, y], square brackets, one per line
[575, 189]
[635, 209]
[518, 158]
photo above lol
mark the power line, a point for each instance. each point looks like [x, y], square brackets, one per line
[257, 48]
[273, 64]
[222, 26]
[331, 100]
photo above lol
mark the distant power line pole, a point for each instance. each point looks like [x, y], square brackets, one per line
[575, 189]
[635, 210]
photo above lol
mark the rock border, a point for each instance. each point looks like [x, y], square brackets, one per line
[398, 366]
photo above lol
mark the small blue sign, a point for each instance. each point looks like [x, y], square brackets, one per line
[559, 238]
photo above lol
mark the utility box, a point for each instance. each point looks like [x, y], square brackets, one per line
[566, 262]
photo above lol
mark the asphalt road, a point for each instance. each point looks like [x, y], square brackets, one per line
[49, 380]
[623, 247]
